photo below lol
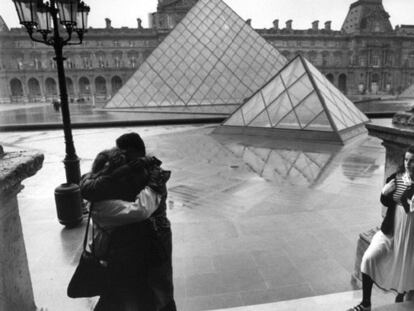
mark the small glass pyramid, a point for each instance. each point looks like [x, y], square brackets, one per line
[408, 92]
[209, 63]
[301, 103]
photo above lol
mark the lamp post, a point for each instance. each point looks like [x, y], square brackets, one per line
[44, 22]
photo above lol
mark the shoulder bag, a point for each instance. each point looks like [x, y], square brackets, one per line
[91, 276]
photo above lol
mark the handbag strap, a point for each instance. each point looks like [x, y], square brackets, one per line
[85, 239]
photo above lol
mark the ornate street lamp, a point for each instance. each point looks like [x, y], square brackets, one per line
[44, 22]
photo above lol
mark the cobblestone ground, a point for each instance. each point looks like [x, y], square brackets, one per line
[254, 221]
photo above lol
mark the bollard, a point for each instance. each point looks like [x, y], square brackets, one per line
[68, 204]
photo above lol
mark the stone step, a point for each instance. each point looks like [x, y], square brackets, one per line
[331, 302]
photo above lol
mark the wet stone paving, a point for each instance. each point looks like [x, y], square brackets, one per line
[253, 220]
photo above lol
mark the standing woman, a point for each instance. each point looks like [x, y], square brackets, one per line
[389, 260]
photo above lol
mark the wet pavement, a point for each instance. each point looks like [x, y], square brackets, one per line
[254, 221]
[18, 116]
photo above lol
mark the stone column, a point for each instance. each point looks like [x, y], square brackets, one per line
[16, 291]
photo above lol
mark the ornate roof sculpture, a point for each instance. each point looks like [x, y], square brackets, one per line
[209, 63]
[297, 103]
[367, 16]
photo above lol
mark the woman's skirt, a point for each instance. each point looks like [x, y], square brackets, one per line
[389, 260]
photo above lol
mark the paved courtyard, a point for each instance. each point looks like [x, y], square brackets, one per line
[254, 221]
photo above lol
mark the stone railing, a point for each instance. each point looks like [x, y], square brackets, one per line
[16, 291]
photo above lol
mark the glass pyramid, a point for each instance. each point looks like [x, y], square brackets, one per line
[209, 63]
[408, 92]
[301, 103]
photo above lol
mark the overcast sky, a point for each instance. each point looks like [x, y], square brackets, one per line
[262, 12]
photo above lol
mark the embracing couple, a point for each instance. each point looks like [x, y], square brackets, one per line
[132, 234]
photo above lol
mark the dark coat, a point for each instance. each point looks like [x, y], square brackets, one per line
[140, 254]
[387, 226]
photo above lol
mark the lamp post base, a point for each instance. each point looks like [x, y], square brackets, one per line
[68, 205]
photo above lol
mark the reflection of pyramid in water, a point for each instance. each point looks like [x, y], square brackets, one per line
[297, 167]
[209, 63]
[298, 103]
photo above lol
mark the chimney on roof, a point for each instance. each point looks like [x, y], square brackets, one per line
[249, 21]
[139, 22]
[276, 24]
[328, 25]
[315, 25]
[108, 23]
[289, 24]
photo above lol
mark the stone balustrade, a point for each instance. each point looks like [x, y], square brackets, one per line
[16, 291]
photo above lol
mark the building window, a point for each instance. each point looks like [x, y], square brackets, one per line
[411, 60]
[375, 61]
[362, 61]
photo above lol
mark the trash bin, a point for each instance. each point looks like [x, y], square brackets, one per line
[68, 204]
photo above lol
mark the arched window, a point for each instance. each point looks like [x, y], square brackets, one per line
[69, 86]
[16, 87]
[50, 85]
[330, 77]
[342, 80]
[84, 86]
[116, 84]
[100, 85]
[34, 87]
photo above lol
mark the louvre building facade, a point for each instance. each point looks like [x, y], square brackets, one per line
[366, 56]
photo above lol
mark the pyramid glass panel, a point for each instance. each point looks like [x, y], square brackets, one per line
[308, 109]
[290, 121]
[292, 72]
[320, 123]
[254, 106]
[236, 119]
[212, 56]
[272, 90]
[262, 120]
[300, 90]
[279, 108]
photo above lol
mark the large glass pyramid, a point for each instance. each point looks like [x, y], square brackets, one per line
[299, 103]
[209, 63]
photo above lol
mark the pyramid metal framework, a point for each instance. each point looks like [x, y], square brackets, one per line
[209, 63]
[299, 102]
